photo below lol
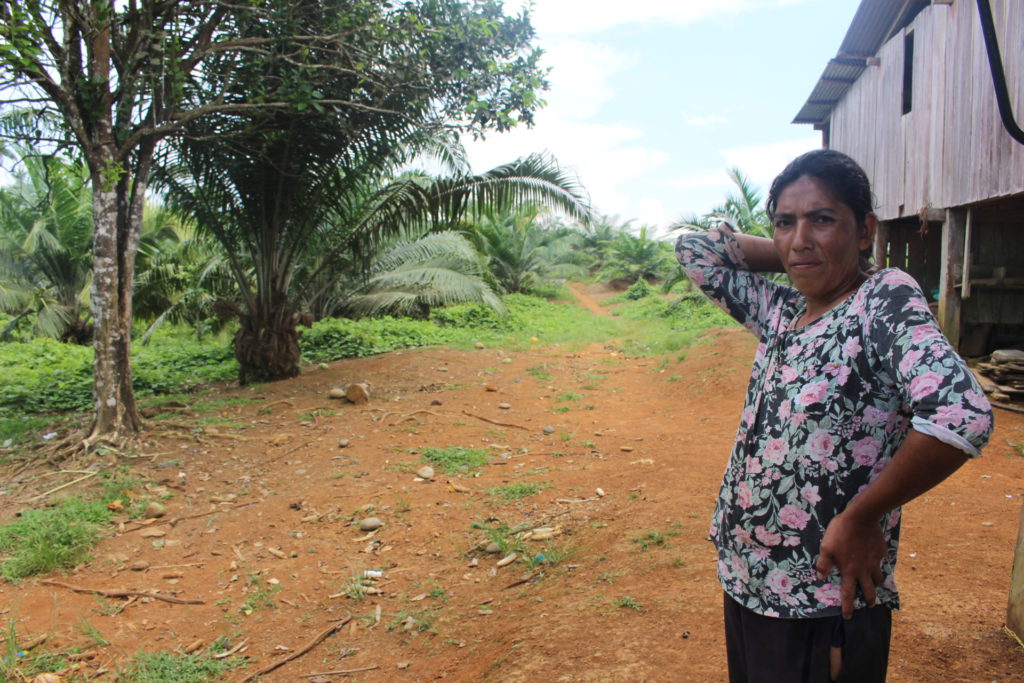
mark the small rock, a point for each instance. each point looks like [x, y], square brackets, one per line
[344, 443]
[504, 406]
[193, 646]
[492, 547]
[139, 566]
[548, 429]
[626, 449]
[403, 665]
[437, 402]
[599, 491]
[322, 366]
[370, 524]
[336, 392]
[153, 533]
[409, 625]
[506, 361]
[479, 345]
[117, 558]
[280, 439]
[358, 393]
[155, 509]
[425, 472]
[490, 387]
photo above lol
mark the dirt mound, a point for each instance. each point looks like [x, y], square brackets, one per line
[620, 587]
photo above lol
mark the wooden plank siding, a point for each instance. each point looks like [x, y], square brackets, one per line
[951, 149]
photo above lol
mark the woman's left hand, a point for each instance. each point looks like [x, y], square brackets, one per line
[856, 548]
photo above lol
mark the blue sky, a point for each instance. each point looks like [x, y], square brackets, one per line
[652, 100]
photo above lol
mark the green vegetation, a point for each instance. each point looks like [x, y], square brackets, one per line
[62, 536]
[511, 492]
[168, 667]
[629, 602]
[455, 460]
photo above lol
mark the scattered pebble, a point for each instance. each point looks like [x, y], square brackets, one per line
[626, 449]
[548, 429]
[139, 566]
[370, 524]
[504, 406]
[358, 392]
[336, 392]
[492, 547]
[437, 402]
[599, 491]
[425, 472]
[152, 533]
[403, 665]
[479, 345]
[322, 366]
[155, 509]
[344, 443]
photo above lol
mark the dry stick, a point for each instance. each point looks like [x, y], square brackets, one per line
[329, 631]
[1012, 409]
[176, 520]
[122, 594]
[411, 416]
[495, 422]
[341, 672]
[63, 486]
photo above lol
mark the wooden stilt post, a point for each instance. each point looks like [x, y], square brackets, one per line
[1015, 604]
[951, 268]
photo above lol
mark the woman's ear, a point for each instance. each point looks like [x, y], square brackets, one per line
[868, 230]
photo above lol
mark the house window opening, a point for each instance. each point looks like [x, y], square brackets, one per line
[908, 71]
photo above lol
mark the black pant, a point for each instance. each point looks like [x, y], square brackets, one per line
[764, 649]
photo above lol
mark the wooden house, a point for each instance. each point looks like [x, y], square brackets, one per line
[913, 96]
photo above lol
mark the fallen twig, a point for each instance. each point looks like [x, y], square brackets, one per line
[525, 579]
[236, 648]
[411, 415]
[176, 520]
[341, 672]
[122, 594]
[494, 422]
[63, 486]
[326, 633]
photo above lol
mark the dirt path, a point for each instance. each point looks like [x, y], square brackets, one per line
[584, 299]
[624, 591]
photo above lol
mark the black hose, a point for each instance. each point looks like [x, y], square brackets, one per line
[995, 62]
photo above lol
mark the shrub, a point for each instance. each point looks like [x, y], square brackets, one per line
[336, 338]
[474, 316]
[638, 290]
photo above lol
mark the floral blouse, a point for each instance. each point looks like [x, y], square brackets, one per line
[827, 406]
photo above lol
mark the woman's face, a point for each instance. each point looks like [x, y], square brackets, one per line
[819, 241]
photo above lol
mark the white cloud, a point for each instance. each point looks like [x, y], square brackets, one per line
[761, 163]
[702, 120]
[552, 17]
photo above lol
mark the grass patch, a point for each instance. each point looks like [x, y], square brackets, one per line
[169, 667]
[512, 492]
[455, 460]
[59, 537]
[629, 602]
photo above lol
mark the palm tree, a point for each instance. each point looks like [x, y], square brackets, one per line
[743, 210]
[284, 205]
[45, 249]
[637, 255]
[182, 274]
[520, 249]
[411, 277]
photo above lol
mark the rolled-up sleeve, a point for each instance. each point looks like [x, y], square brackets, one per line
[944, 398]
[714, 261]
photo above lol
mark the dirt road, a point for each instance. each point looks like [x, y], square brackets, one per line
[624, 590]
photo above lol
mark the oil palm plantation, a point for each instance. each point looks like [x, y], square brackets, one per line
[743, 209]
[45, 249]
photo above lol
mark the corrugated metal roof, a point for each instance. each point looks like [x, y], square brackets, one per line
[873, 24]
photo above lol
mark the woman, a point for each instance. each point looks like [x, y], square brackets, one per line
[856, 405]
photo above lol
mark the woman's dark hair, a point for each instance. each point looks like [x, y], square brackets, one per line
[845, 180]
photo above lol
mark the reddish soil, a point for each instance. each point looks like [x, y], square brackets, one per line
[653, 436]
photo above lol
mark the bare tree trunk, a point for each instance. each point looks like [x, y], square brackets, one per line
[117, 223]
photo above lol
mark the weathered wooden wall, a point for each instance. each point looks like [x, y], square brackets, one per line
[951, 149]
